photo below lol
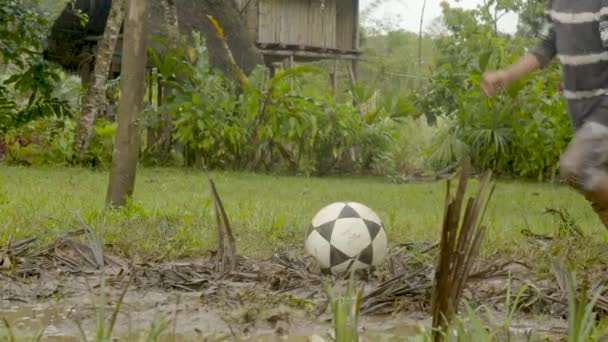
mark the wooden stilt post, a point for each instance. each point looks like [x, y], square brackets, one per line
[85, 68]
[289, 66]
[159, 91]
[150, 133]
[334, 78]
[351, 75]
[150, 85]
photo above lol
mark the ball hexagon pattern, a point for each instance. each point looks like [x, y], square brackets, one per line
[345, 231]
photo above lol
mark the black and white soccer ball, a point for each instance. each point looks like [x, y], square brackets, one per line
[344, 232]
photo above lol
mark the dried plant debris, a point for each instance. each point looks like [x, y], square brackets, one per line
[460, 242]
[226, 263]
[404, 283]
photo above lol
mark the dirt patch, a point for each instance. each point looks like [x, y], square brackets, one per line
[64, 287]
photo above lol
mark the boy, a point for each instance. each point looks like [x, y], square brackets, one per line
[577, 33]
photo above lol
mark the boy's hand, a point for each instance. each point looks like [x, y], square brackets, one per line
[494, 82]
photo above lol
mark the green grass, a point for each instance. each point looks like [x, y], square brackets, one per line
[172, 210]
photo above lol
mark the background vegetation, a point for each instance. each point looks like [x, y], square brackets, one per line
[404, 118]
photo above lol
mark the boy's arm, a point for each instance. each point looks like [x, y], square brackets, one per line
[539, 57]
[499, 80]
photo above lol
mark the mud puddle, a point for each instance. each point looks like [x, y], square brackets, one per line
[182, 317]
[59, 289]
[150, 313]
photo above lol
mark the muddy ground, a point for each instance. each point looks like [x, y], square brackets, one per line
[58, 290]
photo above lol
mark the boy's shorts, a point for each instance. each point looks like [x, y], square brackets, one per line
[584, 162]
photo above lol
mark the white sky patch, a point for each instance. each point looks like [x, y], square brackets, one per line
[406, 13]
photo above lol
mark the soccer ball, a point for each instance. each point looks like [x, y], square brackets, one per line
[345, 231]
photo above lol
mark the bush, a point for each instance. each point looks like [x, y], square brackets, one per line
[520, 133]
[50, 141]
[272, 124]
[407, 152]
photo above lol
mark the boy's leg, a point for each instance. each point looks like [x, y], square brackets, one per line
[583, 165]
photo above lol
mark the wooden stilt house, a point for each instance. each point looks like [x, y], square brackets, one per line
[305, 30]
[285, 30]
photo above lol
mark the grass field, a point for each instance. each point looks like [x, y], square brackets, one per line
[172, 215]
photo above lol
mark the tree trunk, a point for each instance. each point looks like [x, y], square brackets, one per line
[95, 91]
[240, 40]
[420, 36]
[172, 34]
[130, 106]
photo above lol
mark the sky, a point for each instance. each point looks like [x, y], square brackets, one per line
[406, 13]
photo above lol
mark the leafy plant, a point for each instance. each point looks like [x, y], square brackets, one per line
[345, 308]
[582, 324]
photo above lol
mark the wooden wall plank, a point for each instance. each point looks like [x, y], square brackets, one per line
[277, 17]
[264, 22]
[330, 24]
[250, 13]
[286, 11]
[303, 22]
[344, 24]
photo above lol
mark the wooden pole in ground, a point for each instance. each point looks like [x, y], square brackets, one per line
[130, 106]
[151, 131]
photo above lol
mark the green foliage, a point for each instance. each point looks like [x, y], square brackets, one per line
[531, 17]
[292, 122]
[23, 31]
[11, 116]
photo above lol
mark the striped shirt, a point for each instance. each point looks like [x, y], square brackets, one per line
[576, 32]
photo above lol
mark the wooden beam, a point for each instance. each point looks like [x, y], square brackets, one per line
[310, 48]
[309, 54]
[96, 38]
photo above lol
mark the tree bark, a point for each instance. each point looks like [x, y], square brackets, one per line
[130, 106]
[96, 91]
[240, 40]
